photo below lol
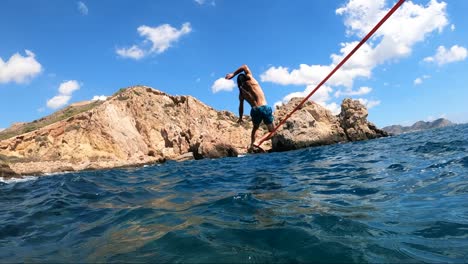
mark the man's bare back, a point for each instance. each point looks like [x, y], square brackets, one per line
[252, 92]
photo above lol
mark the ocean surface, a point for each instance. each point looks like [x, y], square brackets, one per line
[396, 199]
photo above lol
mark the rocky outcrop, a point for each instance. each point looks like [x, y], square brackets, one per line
[6, 171]
[314, 125]
[311, 125]
[353, 120]
[141, 125]
[136, 126]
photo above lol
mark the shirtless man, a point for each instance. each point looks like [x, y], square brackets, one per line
[250, 90]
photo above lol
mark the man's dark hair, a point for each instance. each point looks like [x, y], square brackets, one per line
[241, 79]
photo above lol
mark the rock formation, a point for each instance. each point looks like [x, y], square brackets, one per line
[418, 126]
[6, 171]
[353, 120]
[141, 125]
[313, 125]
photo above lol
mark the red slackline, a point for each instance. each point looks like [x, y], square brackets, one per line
[397, 5]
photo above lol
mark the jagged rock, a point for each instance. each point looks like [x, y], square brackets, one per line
[311, 125]
[185, 157]
[138, 125]
[213, 149]
[6, 171]
[353, 120]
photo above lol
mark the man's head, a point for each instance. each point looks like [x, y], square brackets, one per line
[241, 80]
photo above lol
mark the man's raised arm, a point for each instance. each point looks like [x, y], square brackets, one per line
[243, 68]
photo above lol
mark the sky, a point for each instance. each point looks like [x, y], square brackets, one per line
[57, 52]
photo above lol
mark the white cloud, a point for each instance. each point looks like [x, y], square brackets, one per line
[133, 52]
[201, 2]
[161, 38]
[58, 101]
[99, 98]
[349, 92]
[65, 94]
[444, 56]
[369, 103]
[68, 87]
[420, 80]
[223, 85]
[19, 69]
[452, 27]
[82, 8]
[394, 40]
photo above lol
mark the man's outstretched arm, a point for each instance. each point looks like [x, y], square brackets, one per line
[243, 68]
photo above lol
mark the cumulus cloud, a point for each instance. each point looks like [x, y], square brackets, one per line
[161, 38]
[223, 85]
[420, 80]
[134, 52]
[394, 40]
[99, 98]
[82, 8]
[65, 94]
[369, 103]
[19, 69]
[445, 56]
[349, 92]
[202, 2]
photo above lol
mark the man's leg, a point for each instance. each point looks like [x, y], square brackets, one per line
[254, 134]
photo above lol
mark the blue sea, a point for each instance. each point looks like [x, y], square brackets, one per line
[401, 199]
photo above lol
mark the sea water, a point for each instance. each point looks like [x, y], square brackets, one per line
[397, 199]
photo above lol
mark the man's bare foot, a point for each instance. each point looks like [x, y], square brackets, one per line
[253, 149]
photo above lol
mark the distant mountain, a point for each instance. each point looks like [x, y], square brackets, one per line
[420, 125]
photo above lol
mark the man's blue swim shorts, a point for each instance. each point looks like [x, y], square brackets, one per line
[261, 113]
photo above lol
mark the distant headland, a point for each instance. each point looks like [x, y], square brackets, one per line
[418, 126]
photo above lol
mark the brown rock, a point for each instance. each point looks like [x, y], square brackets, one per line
[353, 119]
[311, 125]
[6, 171]
[140, 125]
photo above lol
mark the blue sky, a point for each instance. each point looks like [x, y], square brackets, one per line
[55, 52]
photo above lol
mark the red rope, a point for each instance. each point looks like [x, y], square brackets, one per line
[397, 5]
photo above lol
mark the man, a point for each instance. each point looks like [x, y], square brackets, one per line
[250, 90]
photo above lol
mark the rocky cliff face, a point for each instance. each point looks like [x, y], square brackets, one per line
[140, 125]
[136, 126]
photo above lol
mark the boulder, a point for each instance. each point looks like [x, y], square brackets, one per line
[353, 120]
[213, 149]
[6, 171]
[311, 125]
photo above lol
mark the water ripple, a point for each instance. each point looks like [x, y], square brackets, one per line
[397, 199]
